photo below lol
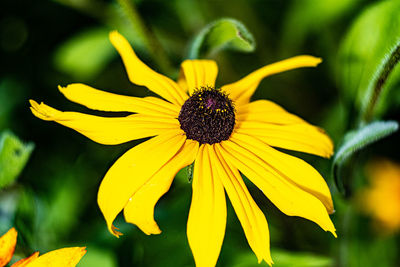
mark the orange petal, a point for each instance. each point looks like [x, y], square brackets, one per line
[64, 257]
[7, 246]
[26, 261]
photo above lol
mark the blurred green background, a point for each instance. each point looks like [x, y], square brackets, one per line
[52, 200]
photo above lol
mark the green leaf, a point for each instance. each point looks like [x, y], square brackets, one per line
[13, 156]
[85, 55]
[369, 42]
[224, 33]
[357, 140]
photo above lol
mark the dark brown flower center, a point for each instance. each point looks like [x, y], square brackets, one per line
[207, 116]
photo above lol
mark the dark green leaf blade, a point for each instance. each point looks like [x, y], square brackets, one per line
[357, 140]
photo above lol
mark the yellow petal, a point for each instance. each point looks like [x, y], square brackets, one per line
[207, 215]
[292, 168]
[182, 81]
[266, 111]
[7, 246]
[301, 137]
[199, 73]
[140, 207]
[242, 90]
[278, 182]
[140, 74]
[64, 257]
[276, 127]
[134, 169]
[107, 130]
[26, 261]
[253, 221]
[100, 100]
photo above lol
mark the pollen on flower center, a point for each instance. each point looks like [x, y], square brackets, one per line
[207, 116]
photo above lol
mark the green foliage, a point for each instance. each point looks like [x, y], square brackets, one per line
[357, 140]
[378, 82]
[85, 55]
[11, 92]
[96, 257]
[225, 33]
[366, 47]
[307, 17]
[284, 258]
[68, 197]
[13, 156]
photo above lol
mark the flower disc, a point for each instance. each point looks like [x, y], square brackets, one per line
[208, 116]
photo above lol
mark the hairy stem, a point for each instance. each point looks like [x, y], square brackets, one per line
[388, 67]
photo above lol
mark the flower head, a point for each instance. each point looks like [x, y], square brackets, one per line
[219, 130]
[382, 198]
[65, 257]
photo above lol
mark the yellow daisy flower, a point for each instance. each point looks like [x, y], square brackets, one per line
[65, 257]
[221, 132]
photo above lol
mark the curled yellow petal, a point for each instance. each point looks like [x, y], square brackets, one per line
[133, 170]
[207, 215]
[282, 184]
[107, 130]
[140, 207]
[242, 90]
[140, 74]
[276, 127]
[64, 257]
[291, 168]
[105, 101]
[253, 221]
[302, 137]
[7, 246]
[198, 73]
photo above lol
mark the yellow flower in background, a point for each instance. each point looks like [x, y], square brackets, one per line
[382, 198]
[218, 129]
[65, 257]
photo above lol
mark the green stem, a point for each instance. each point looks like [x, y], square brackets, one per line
[388, 67]
[345, 238]
[97, 11]
[150, 41]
